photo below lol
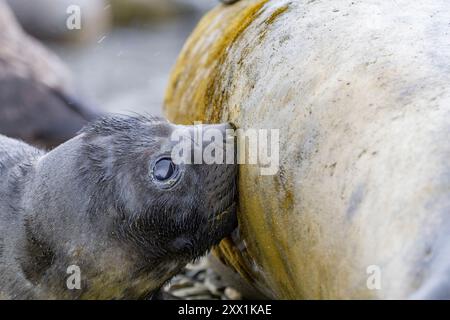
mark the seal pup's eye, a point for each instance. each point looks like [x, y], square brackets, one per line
[165, 173]
[164, 169]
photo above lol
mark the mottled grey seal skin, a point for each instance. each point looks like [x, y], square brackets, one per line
[93, 202]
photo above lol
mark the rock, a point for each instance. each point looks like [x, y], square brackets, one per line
[37, 101]
[360, 206]
[197, 282]
[213, 288]
[232, 294]
[47, 19]
[229, 277]
[180, 282]
[191, 292]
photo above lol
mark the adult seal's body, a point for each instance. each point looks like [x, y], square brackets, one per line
[111, 204]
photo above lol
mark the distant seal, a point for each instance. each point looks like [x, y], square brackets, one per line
[37, 100]
[58, 20]
[112, 203]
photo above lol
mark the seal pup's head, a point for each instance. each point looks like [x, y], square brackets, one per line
[133, 216]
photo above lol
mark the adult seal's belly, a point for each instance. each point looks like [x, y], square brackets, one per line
[360, 206]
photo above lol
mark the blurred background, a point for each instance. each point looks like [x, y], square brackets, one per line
[121, 57]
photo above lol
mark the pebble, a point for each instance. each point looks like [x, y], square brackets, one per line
[199, 282]
[233, 294]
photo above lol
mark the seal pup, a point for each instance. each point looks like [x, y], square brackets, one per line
[110, 204]
[37, 102]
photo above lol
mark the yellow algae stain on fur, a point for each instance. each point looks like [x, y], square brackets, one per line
[230, 255]
[277, 13]
[264, 238]
[191, 94]
[273, 17]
